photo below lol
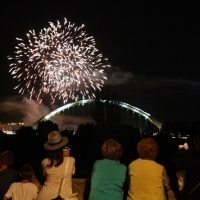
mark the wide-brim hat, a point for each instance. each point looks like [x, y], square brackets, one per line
[55, 141]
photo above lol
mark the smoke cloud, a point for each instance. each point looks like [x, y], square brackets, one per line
[25, 110]
[117, 77]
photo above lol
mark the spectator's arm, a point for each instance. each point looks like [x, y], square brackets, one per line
[165, 179]
[170, 193]
[8, 194]
[74, 168]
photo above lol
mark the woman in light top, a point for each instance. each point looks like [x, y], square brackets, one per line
[56, 167]
[108, 174]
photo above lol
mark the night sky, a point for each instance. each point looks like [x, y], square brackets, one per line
[153, 49]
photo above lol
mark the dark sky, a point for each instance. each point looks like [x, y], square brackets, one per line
[153, 49]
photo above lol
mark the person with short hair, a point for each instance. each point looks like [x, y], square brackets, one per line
[108, 175]
[7, 174]
[24, 190]
[147, 179]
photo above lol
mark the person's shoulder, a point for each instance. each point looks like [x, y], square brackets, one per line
[29, 184]
[8, 170]
[99, 161]
[158, 165]
[10, 174]
[11, 171]
[32, 185]
[69, 159]
[72, 159]
[103, 161]
[134, 161]
[15, 184]
[123, 166]
[45, 160]
[154, 162]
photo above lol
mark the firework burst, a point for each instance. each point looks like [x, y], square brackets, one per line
[61, 60]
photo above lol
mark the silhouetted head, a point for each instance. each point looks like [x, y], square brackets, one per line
[26, 172]
[6, 158]
[111, 149]
[147, 148]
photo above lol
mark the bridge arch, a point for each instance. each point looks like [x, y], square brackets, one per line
[134, 109]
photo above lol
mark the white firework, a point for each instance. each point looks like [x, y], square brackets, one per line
[61, 61]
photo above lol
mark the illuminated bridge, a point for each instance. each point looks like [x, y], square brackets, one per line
[132, 115]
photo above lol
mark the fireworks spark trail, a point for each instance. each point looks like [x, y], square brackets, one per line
[61, 61]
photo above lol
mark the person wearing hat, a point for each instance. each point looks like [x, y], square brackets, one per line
[58, 168]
